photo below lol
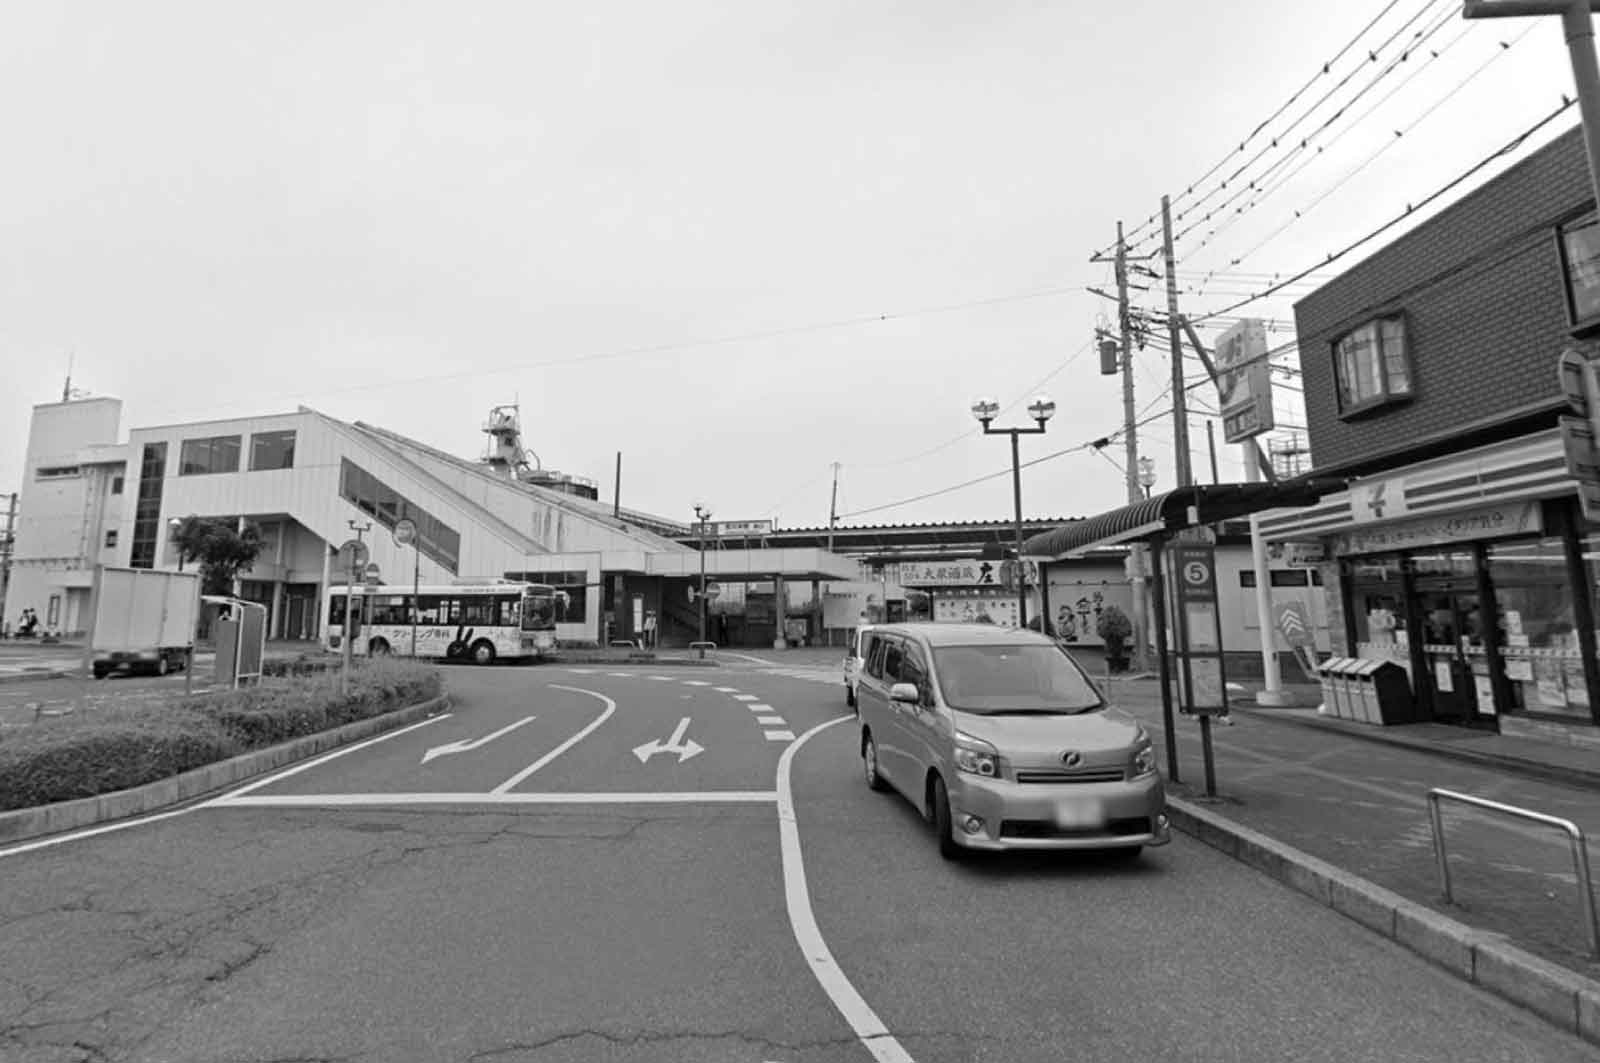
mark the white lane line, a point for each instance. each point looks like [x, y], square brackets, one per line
[871, 1031]
[745, 697]
[727, 690]
[776, 721]
[611, 707]
[740, 797]
[620, 675]
[308, 765]
[662, 678]
[695, 683]
[583, 671]
[45, 843]
[779, 736]
[758, 707]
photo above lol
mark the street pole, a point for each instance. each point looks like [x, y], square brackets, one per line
[1180, 413]
[1017, 571]
[833, 507]
[1273, 694]
[416, 597]
[9, 544]
[348, 656]
[1211, 445]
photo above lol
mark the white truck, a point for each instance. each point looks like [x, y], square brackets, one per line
[144, 620]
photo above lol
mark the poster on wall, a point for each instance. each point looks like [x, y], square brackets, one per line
[1001, 611]
[1075, 609]
[1485, 687]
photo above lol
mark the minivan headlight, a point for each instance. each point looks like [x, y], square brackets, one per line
[977, 757]
[1144, 760]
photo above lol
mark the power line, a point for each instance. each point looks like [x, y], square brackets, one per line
[1244, 144]
[1410, 209]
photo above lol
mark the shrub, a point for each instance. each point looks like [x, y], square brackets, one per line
[117, 748]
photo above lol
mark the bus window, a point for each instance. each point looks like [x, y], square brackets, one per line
[336, 610]
[478, 612]
[429, 610]
[509, 608]
[539, 611]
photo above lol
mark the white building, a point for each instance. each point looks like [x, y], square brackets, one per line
[90, 498]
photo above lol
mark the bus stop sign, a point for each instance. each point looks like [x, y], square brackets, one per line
[354, 555]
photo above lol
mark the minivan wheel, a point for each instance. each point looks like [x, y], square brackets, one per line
[942, 825]
[869, 763]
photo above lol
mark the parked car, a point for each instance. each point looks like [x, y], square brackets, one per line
[1003, 741]
[854, 657]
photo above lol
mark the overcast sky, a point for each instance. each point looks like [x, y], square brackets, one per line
[737, 242]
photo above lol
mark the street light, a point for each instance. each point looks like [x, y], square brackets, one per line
[1147, 474]
[702, 514]
[174, 526]
[1041, 409]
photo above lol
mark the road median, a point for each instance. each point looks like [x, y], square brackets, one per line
[79, 771]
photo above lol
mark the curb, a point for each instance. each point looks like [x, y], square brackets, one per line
[1488, 960]
[24, 823]
[1531, 768]
[30, 677]
[658, 662]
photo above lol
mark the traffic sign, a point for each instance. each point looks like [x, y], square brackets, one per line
[374, 574]
[354, 554]
[405, 531]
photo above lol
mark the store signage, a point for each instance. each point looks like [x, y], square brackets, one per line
[1372, 500]
[964, 573]
[1244, 381]
[1297, 555]
[724, 528]
[1486, 522]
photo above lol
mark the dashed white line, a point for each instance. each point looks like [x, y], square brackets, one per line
[779, 736]
[758, 707]
[662, 678]
[695, 683]
[773, 720]
[871, 1031]
[745, 697]
[727, 690]
[620, 675]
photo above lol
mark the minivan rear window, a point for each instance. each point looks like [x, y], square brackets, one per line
[1025, 678]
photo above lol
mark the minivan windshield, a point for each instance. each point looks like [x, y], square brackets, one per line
[1013, 679]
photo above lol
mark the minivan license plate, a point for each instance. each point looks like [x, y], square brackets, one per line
[1078, 815]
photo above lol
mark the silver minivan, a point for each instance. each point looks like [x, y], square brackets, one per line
[1004, 742]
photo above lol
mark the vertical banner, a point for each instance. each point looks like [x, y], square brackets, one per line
[1201, 678]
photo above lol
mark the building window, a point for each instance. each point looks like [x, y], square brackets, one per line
[116, 485]
[57, 472]
[147, 506]
[437, 540]
[111, 538]
[1372, 365]
[1578, 242]
[271, 450]
[1538, 635]
[572, 592]
[201, 457]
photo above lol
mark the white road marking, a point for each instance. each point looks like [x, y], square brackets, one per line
[695, 683]
[744, 697]
[582, 671]
[89, 832]
[620, 675]
[779, 736]
[611, 707]
[758, 707]
[874, 1035]
[727, 690]
[467, 745]
[662, 678]
[298, 768]
[595, 798]
[776, 720]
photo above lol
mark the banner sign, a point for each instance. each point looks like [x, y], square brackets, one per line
[963, 573]
[1512, 518]
[1244, 381]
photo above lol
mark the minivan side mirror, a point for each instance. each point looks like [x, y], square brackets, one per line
[905, 692]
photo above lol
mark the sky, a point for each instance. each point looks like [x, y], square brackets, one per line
[736, 243]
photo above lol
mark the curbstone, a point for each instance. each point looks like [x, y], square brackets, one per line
[1561, 996]
[24, 823]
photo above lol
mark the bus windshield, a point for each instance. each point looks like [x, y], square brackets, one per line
[539, 610]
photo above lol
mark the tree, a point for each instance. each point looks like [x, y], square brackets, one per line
[222, 551]
[1115, 630]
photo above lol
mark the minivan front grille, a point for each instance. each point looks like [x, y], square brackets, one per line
[1057, 777]
[1043, 828]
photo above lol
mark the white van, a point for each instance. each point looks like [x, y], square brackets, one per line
[855, 657]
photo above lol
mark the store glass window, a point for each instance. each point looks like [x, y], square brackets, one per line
[1378, 607]
[1444, 564]
[1537, 630]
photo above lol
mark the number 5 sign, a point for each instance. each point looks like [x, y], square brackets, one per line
[1199, 631]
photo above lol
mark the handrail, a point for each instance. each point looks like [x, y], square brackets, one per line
[1580, 849]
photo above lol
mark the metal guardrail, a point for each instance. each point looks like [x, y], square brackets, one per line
[1580, 849]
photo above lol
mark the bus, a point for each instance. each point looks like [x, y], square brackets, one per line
[477, 622]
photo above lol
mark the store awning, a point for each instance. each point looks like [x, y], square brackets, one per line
[1183, 507]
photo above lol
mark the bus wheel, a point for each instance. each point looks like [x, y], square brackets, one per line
[378, 648]
[483, 652]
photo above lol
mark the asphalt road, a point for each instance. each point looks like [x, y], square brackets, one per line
[544, 895]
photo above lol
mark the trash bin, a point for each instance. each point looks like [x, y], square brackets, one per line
[1363, 700]
[1332, 674]
[1393, 701]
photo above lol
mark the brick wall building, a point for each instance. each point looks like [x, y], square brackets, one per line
[1431, 386]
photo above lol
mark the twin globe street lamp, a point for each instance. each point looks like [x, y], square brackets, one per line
[1041, 409]
[702, 515]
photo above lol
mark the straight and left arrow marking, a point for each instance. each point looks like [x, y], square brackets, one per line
[467, 745]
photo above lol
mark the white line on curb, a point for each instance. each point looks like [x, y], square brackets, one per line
[862, 1019]
[599, 797]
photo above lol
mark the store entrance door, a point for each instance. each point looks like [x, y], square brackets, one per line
[1455, 661]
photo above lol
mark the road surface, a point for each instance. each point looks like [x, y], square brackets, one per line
[682, 864]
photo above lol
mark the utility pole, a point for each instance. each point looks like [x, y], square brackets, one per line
[1180, 411]
[833, 507]
[8, 547]
[1130, 438]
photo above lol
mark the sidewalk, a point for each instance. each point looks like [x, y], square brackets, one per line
[1357, 799]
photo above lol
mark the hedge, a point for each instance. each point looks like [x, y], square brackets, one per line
[105, 750]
